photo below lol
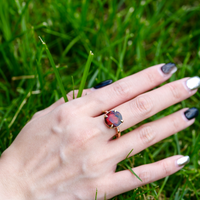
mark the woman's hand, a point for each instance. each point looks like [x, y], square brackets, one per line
[67, 151]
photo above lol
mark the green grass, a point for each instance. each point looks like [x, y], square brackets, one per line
[125, 37]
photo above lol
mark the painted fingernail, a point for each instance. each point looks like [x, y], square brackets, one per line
[183, 161]
[193, 83]
[169, 68]
[103, 84]
[191, 113]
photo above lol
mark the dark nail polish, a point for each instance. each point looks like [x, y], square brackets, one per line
[191, 113]
[169, 68]
[103, 84]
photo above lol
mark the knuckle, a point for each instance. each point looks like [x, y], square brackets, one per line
[88, 135]
[90, 167]
[165, 167]
[62, 114]
[84, 137]
[175, 90]
[151, 77]
[96, 101]
[37, 114]
[91, 188]
[121, 89]
[145, 176]
[146, 134]
[71, 94]
[144, 104]
[175, 124]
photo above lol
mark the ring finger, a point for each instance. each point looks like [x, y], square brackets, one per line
[152, 132]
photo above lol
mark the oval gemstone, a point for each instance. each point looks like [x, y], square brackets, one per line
[114, 118]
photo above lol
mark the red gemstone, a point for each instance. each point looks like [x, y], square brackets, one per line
[114, 118]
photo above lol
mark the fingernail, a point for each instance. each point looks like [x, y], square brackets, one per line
[183, 161]
[191, 113]
[103, 84]
[193, 83]
[169, 68]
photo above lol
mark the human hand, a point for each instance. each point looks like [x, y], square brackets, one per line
[67, 151]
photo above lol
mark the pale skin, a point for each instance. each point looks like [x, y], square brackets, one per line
[67, 152]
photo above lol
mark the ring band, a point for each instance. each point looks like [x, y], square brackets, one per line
[113, 119]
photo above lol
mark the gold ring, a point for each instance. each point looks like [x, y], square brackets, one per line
[113, 119]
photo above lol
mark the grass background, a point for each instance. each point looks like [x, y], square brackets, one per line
[125, 37]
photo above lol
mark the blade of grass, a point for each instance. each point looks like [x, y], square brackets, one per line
[39, 70]
[73, 87]
[194, 189]
[177, 143]
[144, 192]
[55, 71]
[96, 194]
[163, 185]
[61, 35]
[92, 79]
[122, 53]
[19, 109]
[85, 74]
[129, 153]
[175, 189]
[7, 113]
[3, 75]
[70, 45]
[184, 191]
[129, 168]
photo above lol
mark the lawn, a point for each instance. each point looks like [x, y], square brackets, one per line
[125, 37]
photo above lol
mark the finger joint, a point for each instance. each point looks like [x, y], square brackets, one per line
[175, 90]
[165, 167]
[144, 105]
[146, 134]
[145, 176]
[175, 124]
[121, 89]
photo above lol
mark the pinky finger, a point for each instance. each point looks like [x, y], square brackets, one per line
[124, 181]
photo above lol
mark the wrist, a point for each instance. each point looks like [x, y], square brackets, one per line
[11, 186]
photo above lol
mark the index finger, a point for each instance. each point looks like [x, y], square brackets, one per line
[127, 88]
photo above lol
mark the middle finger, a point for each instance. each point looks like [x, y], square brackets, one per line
[148, 104]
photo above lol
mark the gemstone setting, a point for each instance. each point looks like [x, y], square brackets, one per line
[113, 118]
